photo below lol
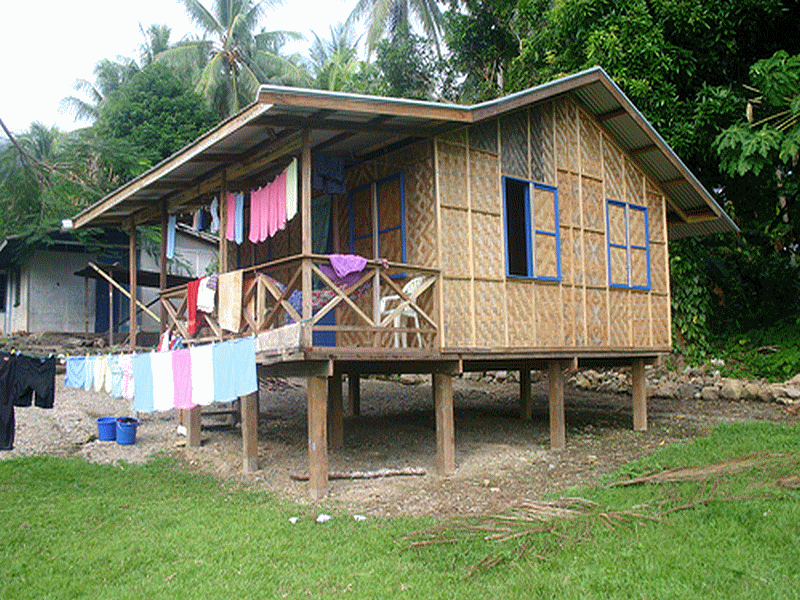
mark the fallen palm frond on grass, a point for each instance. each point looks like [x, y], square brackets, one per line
[541, 528]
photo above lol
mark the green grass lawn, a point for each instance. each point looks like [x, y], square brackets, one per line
[69, 529]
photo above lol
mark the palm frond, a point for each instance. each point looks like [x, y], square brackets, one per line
[201, 16]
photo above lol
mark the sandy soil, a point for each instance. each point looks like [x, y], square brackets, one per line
[499, 458]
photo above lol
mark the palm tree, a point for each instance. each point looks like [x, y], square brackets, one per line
[109, 76]
[384, 17]
[155, 41]
[235, 60]
[334, 61]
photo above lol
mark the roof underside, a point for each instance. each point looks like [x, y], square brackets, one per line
[252, 147]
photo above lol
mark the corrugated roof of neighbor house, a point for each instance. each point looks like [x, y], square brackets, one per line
[251, 147]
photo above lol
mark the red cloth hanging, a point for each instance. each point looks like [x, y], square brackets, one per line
[194, 322]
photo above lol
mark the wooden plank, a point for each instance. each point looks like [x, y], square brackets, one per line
[317, 437]
[132, 285]
[249, 408]
[445, 428]
[335, 411]
[192, 422]
[354, 394]
[525, 398]
[639, 396]
[555, 376]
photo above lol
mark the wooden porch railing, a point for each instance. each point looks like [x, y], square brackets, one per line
[369, 313]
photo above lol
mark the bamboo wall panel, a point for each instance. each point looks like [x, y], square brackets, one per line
[488, 250]
[459, 137]
[636, 228]
[484, 179]
[634, 183]
[655, 216]
[544, 210]
[458, 318]
[484, 136]
[566, 124]
[542, 152]
[455, 229]
[569, 204]
[452, 175]
[593, 212]
[614, 171]
[591, 162]
[638, 266]
[514, 144]
[490, 314]
[546, 256]
[576, 250]
[579, 325]
[661, 334]
[658, 275]
[392, 246]
[619, 265]
[596, 317]
[640, 307]
[421, 212]
[595, 259]
[519, 295]
[616, 224]
[568, 315]
[549, 316]
[567, 256]
[619, 311]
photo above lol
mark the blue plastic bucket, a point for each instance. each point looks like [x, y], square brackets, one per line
[126, 430]
[107, 429]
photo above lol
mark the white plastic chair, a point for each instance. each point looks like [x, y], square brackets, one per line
[412, 290]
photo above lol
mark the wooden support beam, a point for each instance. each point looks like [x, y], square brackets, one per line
[445, 428]
[639, 396]
[110, 315]
[354, 394]
[249, 413]
[133, 268]
[525, 400]
[335, 412]
[558, 434]
[192, 422]
[162, 273]
[317, 437]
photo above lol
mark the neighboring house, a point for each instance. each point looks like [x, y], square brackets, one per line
[40, 292]
[529, 232]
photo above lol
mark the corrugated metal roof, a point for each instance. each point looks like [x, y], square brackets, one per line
[353, 126]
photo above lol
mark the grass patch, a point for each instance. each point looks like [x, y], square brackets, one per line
[70, 529]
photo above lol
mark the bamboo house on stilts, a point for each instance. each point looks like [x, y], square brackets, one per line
[528, 233]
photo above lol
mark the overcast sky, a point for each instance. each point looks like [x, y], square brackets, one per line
[46, 46]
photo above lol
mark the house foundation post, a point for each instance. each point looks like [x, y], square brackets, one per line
[335, 412]
[317, 437]
[525, 400]
[639, 395]
[191, 418]
[445, 429]
[249, 412]
[555, 376]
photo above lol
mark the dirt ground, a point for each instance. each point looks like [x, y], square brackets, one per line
[500, 459]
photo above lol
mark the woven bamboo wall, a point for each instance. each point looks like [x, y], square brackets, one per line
[556, 143]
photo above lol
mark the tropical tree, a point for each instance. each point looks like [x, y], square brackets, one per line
[155, 40]
[334, 62]
[385, 17]
[234, 60]
[109, 76]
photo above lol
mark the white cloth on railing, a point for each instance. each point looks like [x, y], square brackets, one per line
[230, 300]
[205, 296]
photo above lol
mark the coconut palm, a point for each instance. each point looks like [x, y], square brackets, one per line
[109, 76]
[155, 39]
[334, 61]
[383, 18]
[235, 60]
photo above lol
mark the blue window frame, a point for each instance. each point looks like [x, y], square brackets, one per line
[628, 245]
[533, 240]
[385, 198]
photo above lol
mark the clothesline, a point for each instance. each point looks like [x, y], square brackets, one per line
[24, 380]
[182, 378]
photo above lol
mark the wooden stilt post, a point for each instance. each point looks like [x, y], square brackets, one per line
[162, 272]
[445, 429]
[249, 410]
[86, 302]
[354, 394]
[558, 434]
[192, 422]
[525, 401]
[335, 411]
[317, 437]
[305, 224]
[110, 315]
[639, 396]
[132, 284]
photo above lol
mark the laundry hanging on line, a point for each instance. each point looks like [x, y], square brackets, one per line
[24, 381]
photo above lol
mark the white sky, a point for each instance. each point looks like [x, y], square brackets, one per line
[45, 47]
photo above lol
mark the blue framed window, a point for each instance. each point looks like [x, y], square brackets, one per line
[628, 245]
[533, 241]
[382, 202]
